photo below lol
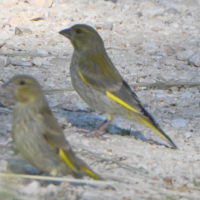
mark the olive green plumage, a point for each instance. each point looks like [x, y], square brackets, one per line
[98, 82]
[36, 133]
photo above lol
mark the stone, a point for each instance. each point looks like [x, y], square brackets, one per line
[179, 122]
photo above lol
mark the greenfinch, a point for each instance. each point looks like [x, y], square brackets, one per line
[37, 135]
[99, 83]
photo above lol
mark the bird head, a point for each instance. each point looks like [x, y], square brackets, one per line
[25, 89]
[83, 37]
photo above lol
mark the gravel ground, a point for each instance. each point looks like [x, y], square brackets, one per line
[149, 41]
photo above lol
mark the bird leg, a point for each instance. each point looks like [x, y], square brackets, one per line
[100, 130]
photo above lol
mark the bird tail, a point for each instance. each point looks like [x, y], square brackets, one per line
[134, 110]
[154, 127]
[89, 172]
[77, 166]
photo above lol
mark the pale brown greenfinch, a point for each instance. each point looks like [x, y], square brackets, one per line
[37, 135]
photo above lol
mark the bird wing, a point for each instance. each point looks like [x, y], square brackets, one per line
[128, 99]
[101, 74]
[56, 139]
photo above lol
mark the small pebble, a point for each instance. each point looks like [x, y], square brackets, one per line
[179, 122]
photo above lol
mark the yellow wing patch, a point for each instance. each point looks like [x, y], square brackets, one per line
[90, 173]
[65, 158]
[83, 78]
[152, 127]
[121, 102]
[111, 96]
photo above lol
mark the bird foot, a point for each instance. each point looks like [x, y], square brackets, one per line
[94, 134]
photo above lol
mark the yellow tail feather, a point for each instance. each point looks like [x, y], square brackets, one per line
[87, 171]
[151, 126]
[91, 174]
[121, 102]
[83, 78]
[65, 158]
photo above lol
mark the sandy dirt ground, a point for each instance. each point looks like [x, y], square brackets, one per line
[149, 41]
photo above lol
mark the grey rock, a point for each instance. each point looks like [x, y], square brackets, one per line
[179, 122]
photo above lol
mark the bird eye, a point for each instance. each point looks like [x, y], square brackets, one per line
[78, 31]
[22, 82]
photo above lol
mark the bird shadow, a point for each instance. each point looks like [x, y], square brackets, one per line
[89, 121]
[84, 120]
[20, 166]
[1, 105]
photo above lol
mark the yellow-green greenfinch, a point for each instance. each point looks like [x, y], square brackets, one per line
[99, 83]
[36, 133]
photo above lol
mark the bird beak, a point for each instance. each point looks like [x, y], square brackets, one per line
[66, 32]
